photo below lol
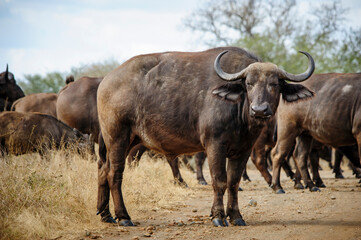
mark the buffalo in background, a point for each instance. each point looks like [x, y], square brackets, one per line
[9, 90]
[38, 102]
[182, 103]
[22, 133]
[76, 105]
[332, 117]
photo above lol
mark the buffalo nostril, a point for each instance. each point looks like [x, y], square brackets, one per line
[262, 111]
[259, 109]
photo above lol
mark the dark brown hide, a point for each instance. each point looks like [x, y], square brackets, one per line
[76, 105]
[175, 103]
[9, 90]
[38, 102]
[332, 117]
[22, 133]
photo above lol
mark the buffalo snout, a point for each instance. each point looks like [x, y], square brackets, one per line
[261, 111]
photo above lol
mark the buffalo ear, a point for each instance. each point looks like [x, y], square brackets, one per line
[295, 92]
[231, 92]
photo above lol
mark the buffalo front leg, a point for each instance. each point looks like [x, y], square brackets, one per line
[217, 166]
[235, 168]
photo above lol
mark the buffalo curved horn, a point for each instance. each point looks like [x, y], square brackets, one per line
[227, 76]
[7, 70]
[299, 77]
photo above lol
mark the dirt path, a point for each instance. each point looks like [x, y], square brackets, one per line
[334, 213]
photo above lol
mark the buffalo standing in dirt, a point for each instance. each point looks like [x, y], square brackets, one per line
[9, 90]
[38, 102]
[332, 117]
[181, 103]
[22, 133]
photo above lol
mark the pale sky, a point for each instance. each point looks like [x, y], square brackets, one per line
[40, 36]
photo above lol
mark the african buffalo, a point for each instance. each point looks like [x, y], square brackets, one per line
[37, 102]
[76, 105]
[332, 117]
[22, 133]
[9, 90]
[182, 103]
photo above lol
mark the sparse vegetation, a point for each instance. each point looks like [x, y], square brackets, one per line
[45, 197]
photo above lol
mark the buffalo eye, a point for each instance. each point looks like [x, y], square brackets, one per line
[249, 85]
[272, 85]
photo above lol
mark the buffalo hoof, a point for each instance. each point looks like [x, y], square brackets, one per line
[321, 185]
[125, 223]
[181, 184]
[280, 191]
[315, 189]
[202, 182]
[217, 222]
[108, 219]
[339, 175]
[240, 189]
[358, 175]
[299, 186]
[238, 222]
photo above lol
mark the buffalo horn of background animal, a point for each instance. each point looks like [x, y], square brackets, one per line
[282, 74]
[7, 70]
[299, 77]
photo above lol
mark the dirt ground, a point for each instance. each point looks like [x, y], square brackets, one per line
[333, 213]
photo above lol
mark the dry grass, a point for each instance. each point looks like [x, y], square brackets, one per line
[44, 197]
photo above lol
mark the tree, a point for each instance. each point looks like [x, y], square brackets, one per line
[52, 82]
[98, 69]
[276, 30]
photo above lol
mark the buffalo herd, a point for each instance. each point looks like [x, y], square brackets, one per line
[223, 103]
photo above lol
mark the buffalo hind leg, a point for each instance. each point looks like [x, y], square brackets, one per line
[186, 163]
[200, 158]
[135, 154]
[353, 154]
[234, 169]
[258, 157]
[301, 153]
[117, 150]
[298, 185]
[337, 166]
[103, 186]
[314, 162]
[279, 153]
[174, 165]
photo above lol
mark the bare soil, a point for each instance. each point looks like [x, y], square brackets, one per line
[333, 213]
